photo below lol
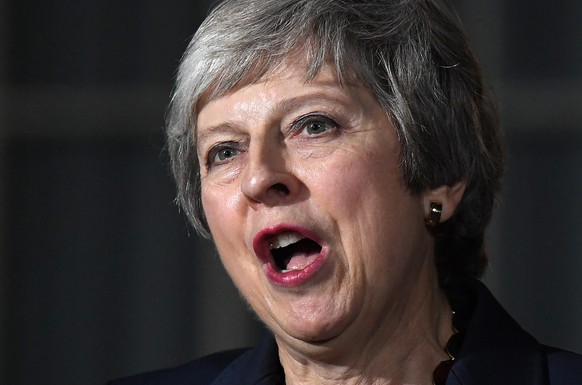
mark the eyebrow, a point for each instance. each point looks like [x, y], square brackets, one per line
[227, 126]
[301, 100]
[280, 108]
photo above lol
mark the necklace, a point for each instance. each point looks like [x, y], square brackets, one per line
[452, 348]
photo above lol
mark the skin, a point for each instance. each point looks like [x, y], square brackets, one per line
[373, 313]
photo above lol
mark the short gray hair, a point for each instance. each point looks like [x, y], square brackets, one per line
[416, 60]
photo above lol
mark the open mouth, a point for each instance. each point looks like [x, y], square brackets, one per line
[292, 251]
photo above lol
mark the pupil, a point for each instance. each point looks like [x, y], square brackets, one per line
[316, 128]
[225, 154]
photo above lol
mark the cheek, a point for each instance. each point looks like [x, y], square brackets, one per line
[212, 211]
[349, 184]
[226, 228]
[365, 195]
[221, 206]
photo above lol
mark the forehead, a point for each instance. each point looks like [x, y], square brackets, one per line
[300, 60]
[277, 92]
[261, 71]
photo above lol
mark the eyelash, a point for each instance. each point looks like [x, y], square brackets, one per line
[298, 126]
[302, 123]
[216, 149]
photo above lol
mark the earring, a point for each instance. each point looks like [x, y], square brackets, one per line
[434, 214]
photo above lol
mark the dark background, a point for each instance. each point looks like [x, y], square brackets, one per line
[100, 276]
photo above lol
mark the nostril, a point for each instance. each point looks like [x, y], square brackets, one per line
[281, 188]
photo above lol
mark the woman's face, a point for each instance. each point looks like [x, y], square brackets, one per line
[303, 195]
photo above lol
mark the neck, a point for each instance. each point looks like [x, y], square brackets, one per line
[404, 347]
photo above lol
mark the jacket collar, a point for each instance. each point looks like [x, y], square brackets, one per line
[257, 366]
[495, 350]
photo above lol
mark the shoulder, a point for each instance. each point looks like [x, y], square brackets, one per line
[204, 370]
[564, 368]
[240, 366]
[496, 350]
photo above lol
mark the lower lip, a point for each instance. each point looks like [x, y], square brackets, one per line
[295, 278]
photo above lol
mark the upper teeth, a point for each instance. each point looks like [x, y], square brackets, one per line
[284, 239]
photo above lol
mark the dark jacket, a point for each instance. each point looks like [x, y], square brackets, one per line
[495, 351]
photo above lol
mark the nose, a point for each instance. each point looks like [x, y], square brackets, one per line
[267, 178]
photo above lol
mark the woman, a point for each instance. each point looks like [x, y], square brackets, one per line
[345, 156]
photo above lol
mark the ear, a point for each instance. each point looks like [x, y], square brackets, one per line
[448, 196]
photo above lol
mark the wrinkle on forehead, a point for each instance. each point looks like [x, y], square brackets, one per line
[267, 96]
[268, 67]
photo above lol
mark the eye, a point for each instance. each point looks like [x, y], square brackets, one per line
[222, 153]
[314, 125]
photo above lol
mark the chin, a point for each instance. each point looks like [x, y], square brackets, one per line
[318, 328]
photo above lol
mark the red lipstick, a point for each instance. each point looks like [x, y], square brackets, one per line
[291, 255]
